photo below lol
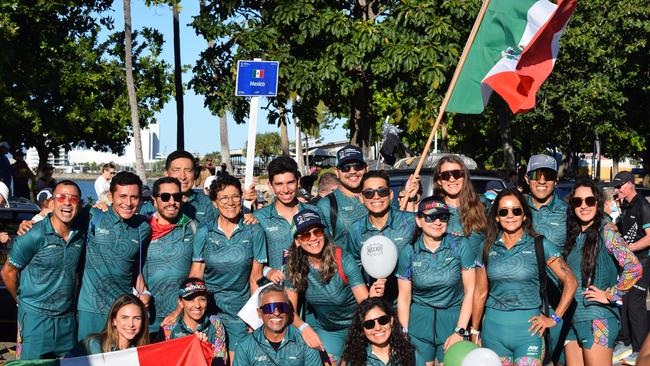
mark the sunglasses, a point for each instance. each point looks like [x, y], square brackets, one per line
[281, 307]
[357, 167]
[317, 232]
[456, 173]
[370, 193]
[433, 218]
[539, 173]
[178, 197]
[61, 197]
[577, 201]
[517, 211]
[370, 323]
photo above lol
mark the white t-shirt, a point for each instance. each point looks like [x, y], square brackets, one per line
[101, 186]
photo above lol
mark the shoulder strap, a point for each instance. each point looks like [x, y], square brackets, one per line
[541, 269]
[339, 264]
[334, 208]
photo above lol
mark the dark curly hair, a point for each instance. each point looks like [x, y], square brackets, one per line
[354, 354]
[221, 183]
[593, 232]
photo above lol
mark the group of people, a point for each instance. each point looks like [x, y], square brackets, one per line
[501, 272]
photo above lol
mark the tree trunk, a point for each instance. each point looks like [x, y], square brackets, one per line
[360, 120]
[43, 154]
[178, 80]
[130, 87]
[505, 120]
[443, 145]
[284, 134]
[225, 147]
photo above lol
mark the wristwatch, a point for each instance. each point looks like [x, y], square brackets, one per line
[461, 332]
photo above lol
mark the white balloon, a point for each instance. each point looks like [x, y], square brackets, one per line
[379, 256]
[481, 357]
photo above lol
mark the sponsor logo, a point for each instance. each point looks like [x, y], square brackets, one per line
[417, 264]
[448, 259]
[102, 231]
[347, 208]
[272, 229]
[555, 223]
[527, 252]
[492, 254]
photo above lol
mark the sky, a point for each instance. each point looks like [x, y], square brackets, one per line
[201, 127]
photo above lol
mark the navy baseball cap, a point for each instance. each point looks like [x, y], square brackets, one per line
[494, 185]
[193, 287]
[431, 206]
[347, 154]
[541, 161]
[305, 219]
[621, 178]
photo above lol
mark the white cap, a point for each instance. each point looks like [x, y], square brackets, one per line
[4, 192]
[208, 182]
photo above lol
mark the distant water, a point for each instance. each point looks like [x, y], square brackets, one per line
[88, 188]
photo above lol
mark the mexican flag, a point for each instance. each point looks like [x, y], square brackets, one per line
[186, 351]
[513, 53]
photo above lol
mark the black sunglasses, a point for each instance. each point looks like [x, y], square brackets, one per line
[548, 174]
[432, 218]
[178, 197]
[370, 193]
[357, 167]
[456, 173]
[577, 201]
[370, 323]
[282, 307]
[517, 211]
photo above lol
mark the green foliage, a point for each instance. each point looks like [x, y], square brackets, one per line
[267, 146]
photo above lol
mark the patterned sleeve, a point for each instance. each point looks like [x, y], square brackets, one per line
[632, 269]
[219, 343]
[353, 245]
[23, 250]
[551, 251]
[198, 246]
[259, 244]
[352, 271]
[467, 248]
[405, 263]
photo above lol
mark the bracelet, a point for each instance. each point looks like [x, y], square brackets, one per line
[405, 330]
[266, 271]
[474, 332]
[145, 292]
[556, 318]
[303, 326]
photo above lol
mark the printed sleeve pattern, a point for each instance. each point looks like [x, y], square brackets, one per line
[198, 246]
[551, 251]
[645, 215]
[352, 271]
[219, 344]
[259, 244]
[23, 250]
[405, 264]
[466, 253]
[632, 269]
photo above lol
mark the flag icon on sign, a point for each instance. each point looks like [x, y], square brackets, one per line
[258, 74]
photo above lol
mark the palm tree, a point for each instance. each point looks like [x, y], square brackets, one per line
[178, 79]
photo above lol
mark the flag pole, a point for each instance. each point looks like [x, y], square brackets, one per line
[450, 89]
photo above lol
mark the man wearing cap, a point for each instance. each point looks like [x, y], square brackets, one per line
[342, 207]
[41, 275]
[192, 297]
[172, 250]
[5, 166]
[492, 188]
[22, 175]
[276, 342]
[382, 219]
[634, 226]
[43, 199]
[277, 218]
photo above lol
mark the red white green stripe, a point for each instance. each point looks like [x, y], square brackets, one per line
[513, 53]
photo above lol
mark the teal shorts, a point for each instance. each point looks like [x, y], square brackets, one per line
[90, 323]
[333, 340]
[597, 331]
[236, 330]
[506, 333]
[41, 336]
[429, 328]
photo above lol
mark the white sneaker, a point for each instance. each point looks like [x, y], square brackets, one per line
[621, 351]
[631, 359]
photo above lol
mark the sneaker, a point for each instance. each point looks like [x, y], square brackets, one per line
[621, 351]
[631, 359]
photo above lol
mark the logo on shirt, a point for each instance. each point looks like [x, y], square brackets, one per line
[492, 254]
[417, 264]
[526, 252]
[261, 358]
[448, 259]
[347, 208]
[102, 231]
[555, 223]
[272, 229]
[187, 239]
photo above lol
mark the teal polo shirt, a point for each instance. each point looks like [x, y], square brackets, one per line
[331, 305]
[197, 207]
[256, 350]
[400, 228]
[550, 219]
[112, 258]
[512, 274]
[228, 262]
[373, 360]
[455, 224]
[48, 267]
[436, 277]
[350, 210]
[279, 232]
[168, 262]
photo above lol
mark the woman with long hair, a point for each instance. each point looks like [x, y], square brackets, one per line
[507, 292]
[593, 250]
[376, 337]
[436, 279]
[329, 283]
[127, 326]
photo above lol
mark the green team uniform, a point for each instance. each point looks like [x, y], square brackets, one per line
[455, 227]
[228, 264]
[90, 345]
[255, 350]
[197, 207]
[211, 326]
[48, 267]
[330, 306]
[372, 360]
[513, 298]
[436, 291]
[279, 232]
[349, 210]
[168, 262]
[550, 219]
[112, 261]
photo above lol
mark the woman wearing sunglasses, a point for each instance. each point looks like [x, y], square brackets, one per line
[593, 250]
[453, 187]
[329, 283]
[376, 338]
[436, 284]
[507, 294]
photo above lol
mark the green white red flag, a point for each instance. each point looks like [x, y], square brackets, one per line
[513, 53]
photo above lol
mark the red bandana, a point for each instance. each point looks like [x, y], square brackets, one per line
[159, 230]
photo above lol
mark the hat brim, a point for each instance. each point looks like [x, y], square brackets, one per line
[434, 211]
[351, 160]
[194, 293]
[307, 228]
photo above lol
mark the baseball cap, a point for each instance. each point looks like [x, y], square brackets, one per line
[43, 195]
[208, 182]
[4, 192]
[305, 219]
[494, 185]
[621, 178]
[5, 144]
[541, 161]
[348, 153]
[191, 288]
[432, 206]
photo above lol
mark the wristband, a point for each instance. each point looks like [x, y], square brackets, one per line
[405, 330]
[474, 332]
[556, 318]
[145, 292]
[266, 271]
[303, 326]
